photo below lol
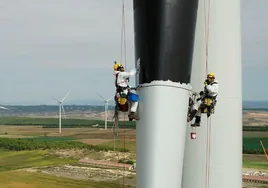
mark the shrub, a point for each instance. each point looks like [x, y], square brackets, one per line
[125, 161]
[255, 128]
[19, 144]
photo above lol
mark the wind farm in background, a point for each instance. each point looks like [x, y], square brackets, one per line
[72, 142]
[84, 127]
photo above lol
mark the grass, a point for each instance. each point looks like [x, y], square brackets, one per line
[58, 139]
[20, 179]
[255, 162]
[53, 122]
[255, 165]
[74, 133]
[12, 160]
[12, 177]
[22, 131]
[254, 142]
[260, 134]
[46, 121]
[129, 144]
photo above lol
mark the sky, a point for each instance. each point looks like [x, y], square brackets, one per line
[48, 47]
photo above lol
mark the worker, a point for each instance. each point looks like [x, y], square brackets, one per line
[121, 83]
[211, 90]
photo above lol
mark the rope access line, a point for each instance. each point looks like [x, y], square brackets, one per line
[116, 117]
[208, 152]
[125, 53]
[207, 28]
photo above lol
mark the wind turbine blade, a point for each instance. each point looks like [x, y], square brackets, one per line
[64, 115]
[4, 108]
[55, 99]
[65, 96]
[110, 98]
[100, 96]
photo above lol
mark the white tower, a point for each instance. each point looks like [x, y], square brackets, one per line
[224, 155]
[106, 105]
[60, 102]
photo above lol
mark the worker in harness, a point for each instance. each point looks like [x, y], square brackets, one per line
[211, 90]
[122, 87]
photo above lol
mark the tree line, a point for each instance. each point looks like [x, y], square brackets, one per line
[19, 144]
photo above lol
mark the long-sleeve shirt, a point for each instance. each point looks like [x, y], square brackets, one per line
[122, 77]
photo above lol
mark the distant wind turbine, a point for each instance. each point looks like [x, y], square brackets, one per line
[106, 104]
[61, 108]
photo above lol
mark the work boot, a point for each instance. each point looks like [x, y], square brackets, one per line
[197, 122]
[132, 115]
[188, 119]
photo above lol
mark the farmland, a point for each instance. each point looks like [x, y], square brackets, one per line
[67, 123]
[32, 148]
[27, 154]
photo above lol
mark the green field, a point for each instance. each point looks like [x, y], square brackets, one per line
[20, 144]
[67, 123]
[128, 144]
[53, 138]
[254, 142]
[255, 162]
[252, 145]
[251, 139]
[12, 178]
[32, 139]
[19, 179]
[12, 161]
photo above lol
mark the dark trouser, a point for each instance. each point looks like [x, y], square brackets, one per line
[197, 119]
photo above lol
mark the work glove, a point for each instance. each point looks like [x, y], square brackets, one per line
[201, 93]
[206, 83]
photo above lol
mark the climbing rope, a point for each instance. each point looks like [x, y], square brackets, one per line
[207, 28]
[125, 53]
[208, 152]
[116, 116]
[115, 133]
[123, 36]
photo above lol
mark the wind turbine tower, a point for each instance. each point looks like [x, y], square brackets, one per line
[214, 158]
[61, 108]
[106, 104]
[164, 79]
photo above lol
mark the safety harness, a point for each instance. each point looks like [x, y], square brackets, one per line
[120, 89]
[206, 92]
[207, 96]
